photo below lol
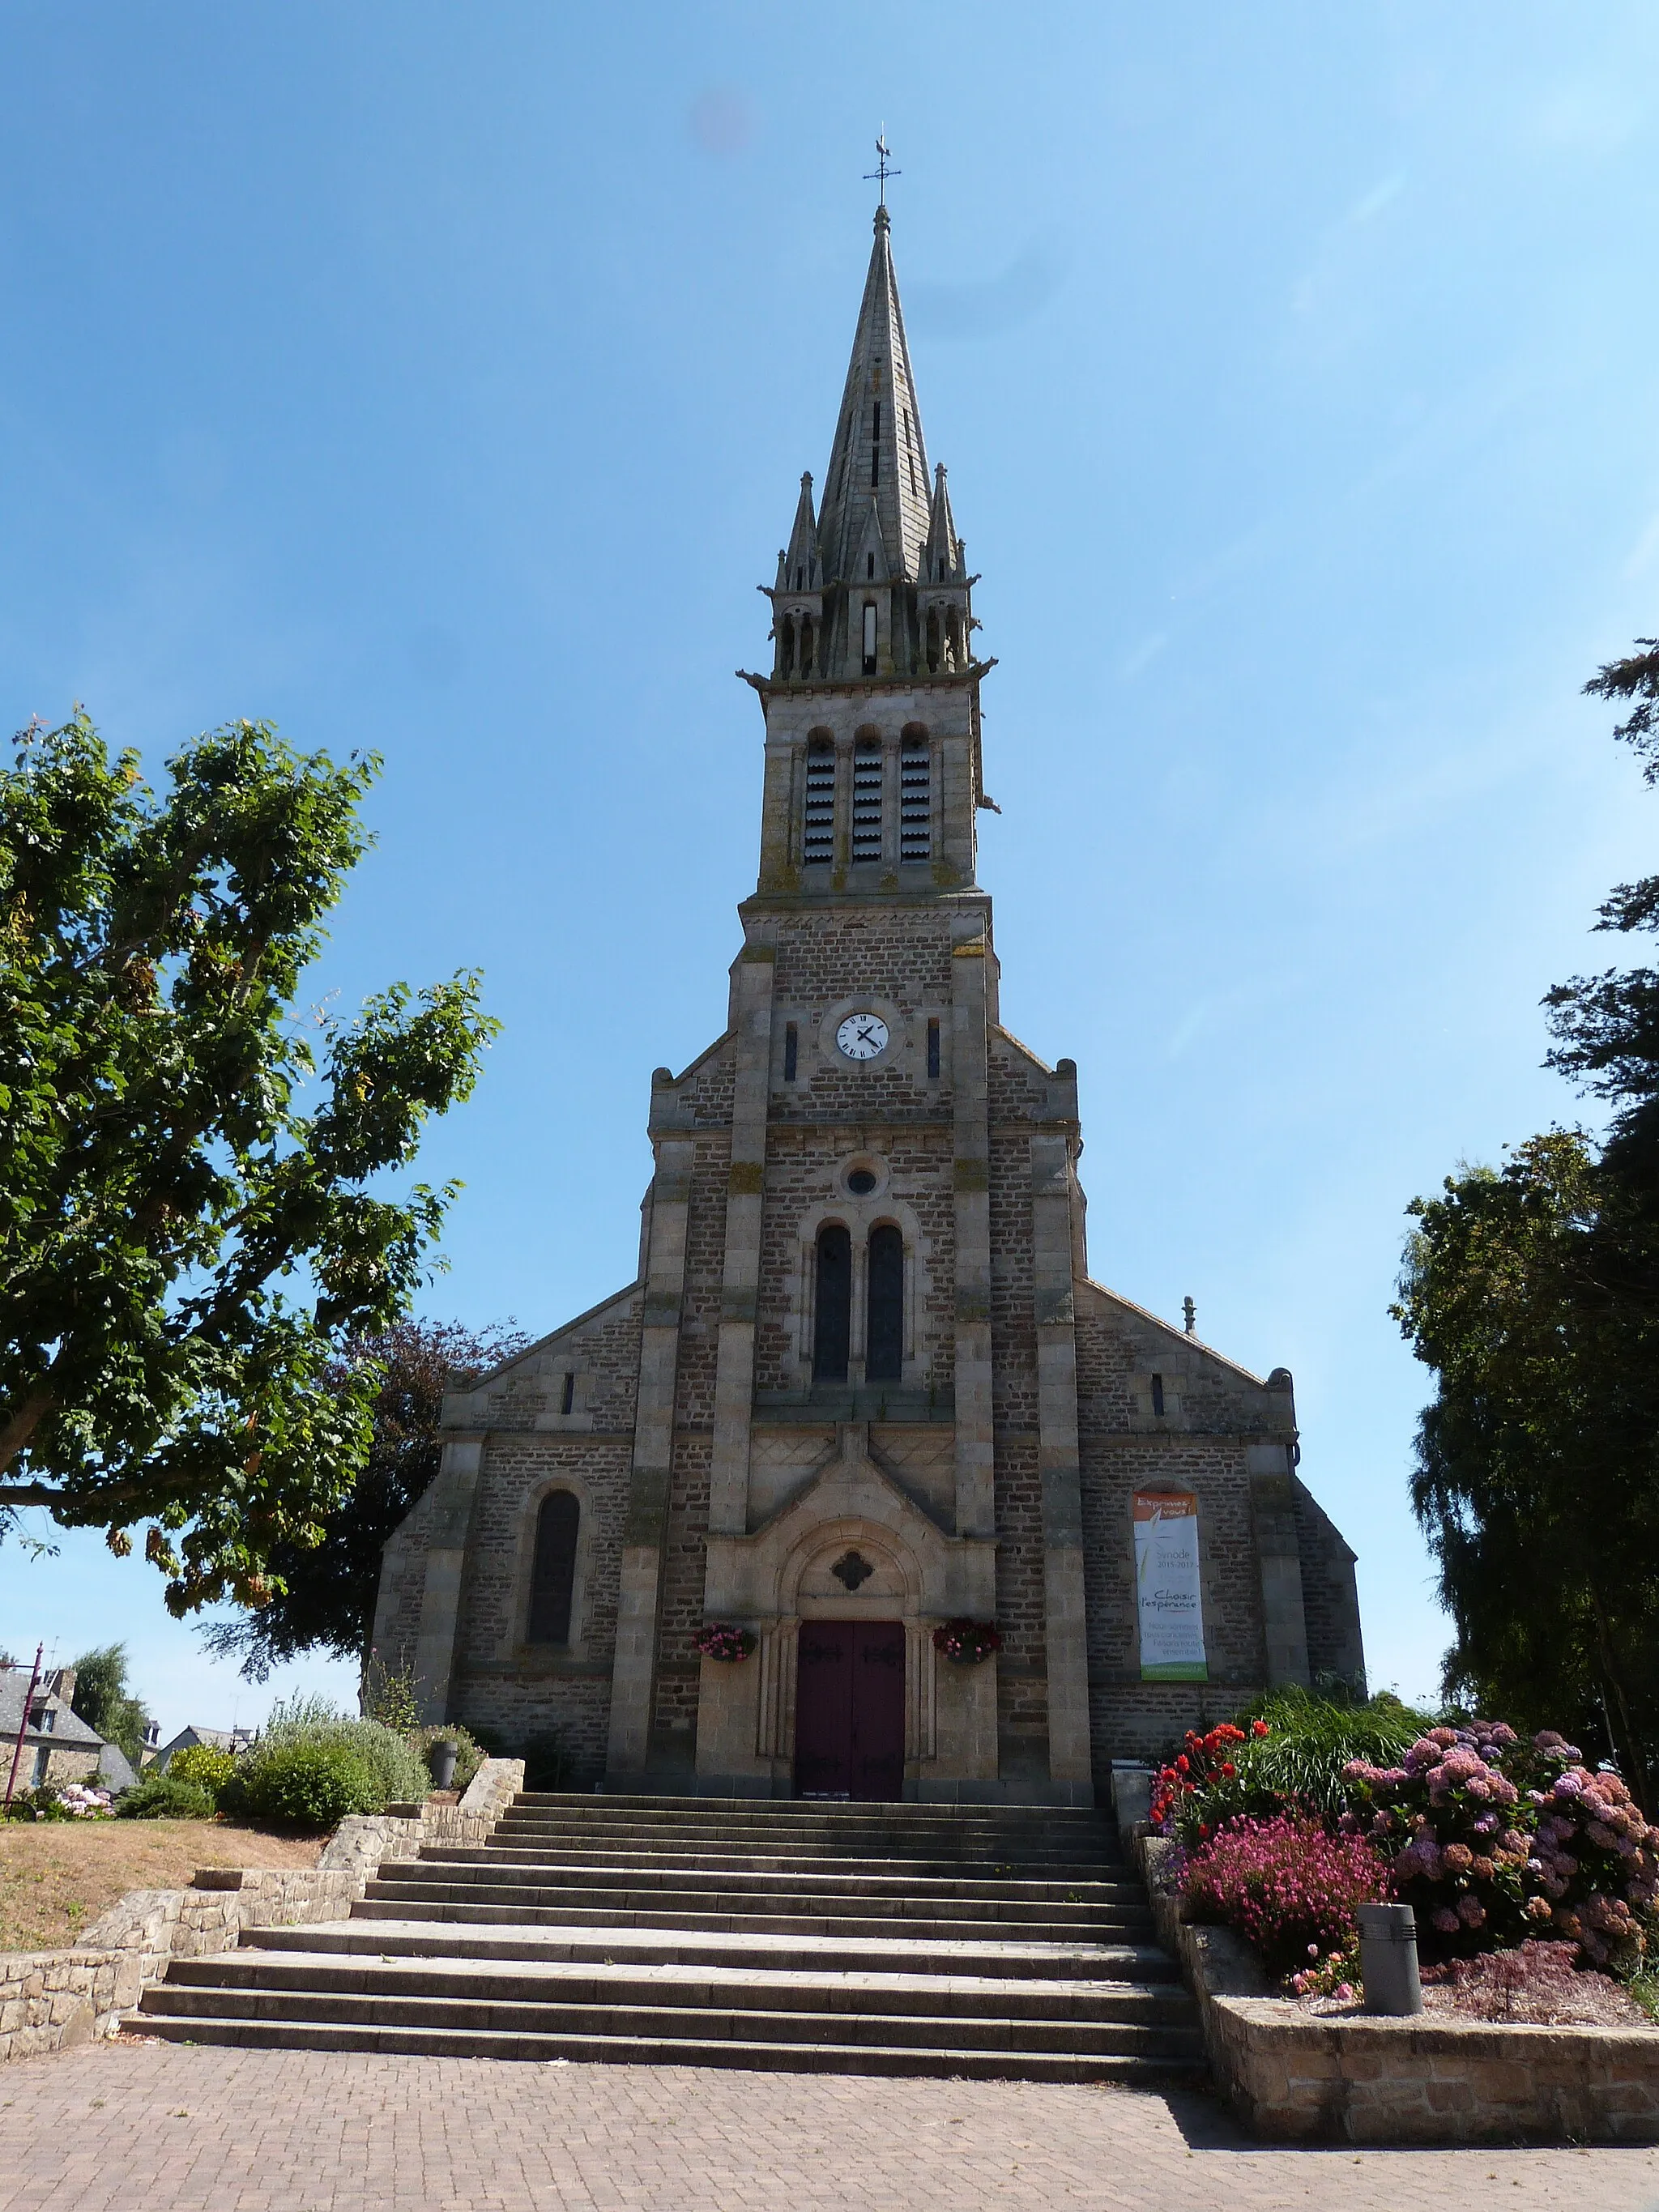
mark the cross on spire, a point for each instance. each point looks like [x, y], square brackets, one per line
[882, 169]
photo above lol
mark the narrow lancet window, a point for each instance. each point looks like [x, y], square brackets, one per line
[818, 836]
[1158, 1395]
[791, 1051]
[883, 1357]
[567, 1395]
[553, 1577]
[875, 448]
[915, 800]
[933, 1046]
[869, 637]
[867, 802]
[832, 1336]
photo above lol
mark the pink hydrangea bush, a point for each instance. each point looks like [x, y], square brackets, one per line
[1448, 1820]
[1287, 1885]
[1492, 1841]
[1593, 1870]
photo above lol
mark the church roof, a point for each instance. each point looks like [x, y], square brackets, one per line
[878, 462]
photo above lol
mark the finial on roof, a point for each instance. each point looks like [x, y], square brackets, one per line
[880, 174]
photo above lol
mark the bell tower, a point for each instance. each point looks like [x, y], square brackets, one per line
[873, 607]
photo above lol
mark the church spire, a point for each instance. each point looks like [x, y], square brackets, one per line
[875, 495]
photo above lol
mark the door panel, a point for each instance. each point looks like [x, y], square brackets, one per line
[849, 1709]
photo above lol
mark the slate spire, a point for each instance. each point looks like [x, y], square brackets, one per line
[878, 462]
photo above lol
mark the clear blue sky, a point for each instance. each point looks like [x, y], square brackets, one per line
[438, 379]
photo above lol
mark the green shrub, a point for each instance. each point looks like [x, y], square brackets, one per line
[309, 1782]
[201, 1764]
[163, 1797]
[470, 1752]
[310, 1766]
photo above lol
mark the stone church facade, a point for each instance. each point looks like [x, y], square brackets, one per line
[864, 1385]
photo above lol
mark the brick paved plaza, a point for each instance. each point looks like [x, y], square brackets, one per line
[165, 2127]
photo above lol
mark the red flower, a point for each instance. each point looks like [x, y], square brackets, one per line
[1228, 1769]
[1260, 1727]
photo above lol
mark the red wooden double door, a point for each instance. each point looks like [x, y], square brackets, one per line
[849, 1709]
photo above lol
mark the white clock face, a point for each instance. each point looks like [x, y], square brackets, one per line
[861, 1036]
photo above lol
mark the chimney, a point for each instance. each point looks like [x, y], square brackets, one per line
[62, 1684]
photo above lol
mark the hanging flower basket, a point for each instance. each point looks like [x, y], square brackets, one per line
[719, 1639]
[966, 1643]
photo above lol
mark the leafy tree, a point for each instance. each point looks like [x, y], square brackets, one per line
[160, 1182]
[105, 1702]
[1533, 1293]
[328, 1590]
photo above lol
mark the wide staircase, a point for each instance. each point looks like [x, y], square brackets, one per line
[849, 1938]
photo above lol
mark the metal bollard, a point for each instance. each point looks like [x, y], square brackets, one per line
[1388, 1958]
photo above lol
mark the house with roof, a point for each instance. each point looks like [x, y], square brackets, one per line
[57, 1744]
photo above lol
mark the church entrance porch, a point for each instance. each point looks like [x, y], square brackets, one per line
[849, 1710]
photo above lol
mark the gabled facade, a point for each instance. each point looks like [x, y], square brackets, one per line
[864, 1385]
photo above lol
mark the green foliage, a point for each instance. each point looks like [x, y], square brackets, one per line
[203, 1765]
[470, 1752]
[104, 1702]
[1285, 1752]
[310, 1766]
[158, 1179]
[311, 1781]
[164, 1797]
[1313, 1738]
[328, 1593]
[1533, 1292]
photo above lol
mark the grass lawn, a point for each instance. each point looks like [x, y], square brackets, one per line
[56, 1876]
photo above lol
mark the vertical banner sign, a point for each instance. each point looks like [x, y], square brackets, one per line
[1166, 1587]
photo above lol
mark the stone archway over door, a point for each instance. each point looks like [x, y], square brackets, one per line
[849, 1709]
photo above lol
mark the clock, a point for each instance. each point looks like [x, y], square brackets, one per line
[861, 1036]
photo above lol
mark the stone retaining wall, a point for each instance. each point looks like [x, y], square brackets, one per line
[1296, 2076]
[49, 1999]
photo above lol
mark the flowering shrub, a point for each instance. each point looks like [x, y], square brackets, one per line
[719, 1639]
[60, 1800]
[1287, 1885]
[965, 1642]
[1335, 1975]
[1445, 1817]
[1199, 1787]
[1491, 1840]
[1593, 1866]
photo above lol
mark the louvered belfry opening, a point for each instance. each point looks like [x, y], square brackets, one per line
[915, 798]
[883, 1358]
[553, 1577]
[832, 1336]
[866, 800]
[818, 836]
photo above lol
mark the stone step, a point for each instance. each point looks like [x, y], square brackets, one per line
[658, 2023]
[943, 1815]
[873, 1878]
[833, 2057]
[387, 1938]
[440, 1881]
[698, 1843]
[514, 1981]
[582, 1849]
[573, 1909]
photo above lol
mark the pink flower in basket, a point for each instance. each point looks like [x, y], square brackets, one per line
[719, 1639]
[965, 1642]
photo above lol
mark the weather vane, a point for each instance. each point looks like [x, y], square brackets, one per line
[882, 171]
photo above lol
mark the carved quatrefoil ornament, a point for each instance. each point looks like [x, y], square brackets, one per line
[849, 1571]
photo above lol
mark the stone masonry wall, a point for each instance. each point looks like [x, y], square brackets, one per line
[50, 1999]
[1330, 1600]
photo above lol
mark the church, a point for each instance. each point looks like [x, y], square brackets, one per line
[865, 1487]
